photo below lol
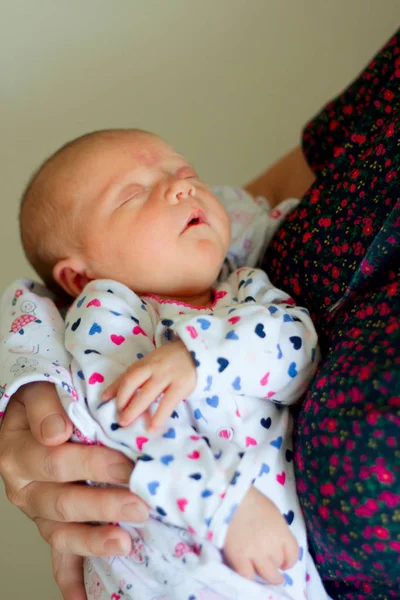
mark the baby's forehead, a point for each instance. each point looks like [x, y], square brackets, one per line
[86, 170]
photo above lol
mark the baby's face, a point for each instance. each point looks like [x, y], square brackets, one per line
[145, 218]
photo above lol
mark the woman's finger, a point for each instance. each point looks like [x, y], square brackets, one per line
[73, 502]
[68, 575]
[47, 418]
[85, 540]
[27, 460]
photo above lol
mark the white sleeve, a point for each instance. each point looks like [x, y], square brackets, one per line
[262, 346]
[185, 480]
[32, 340]
[253, 225]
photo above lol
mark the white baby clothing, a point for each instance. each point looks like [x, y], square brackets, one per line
[255, 352]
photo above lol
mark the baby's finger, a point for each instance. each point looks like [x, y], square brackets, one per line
[266, 568]
[141, 400]
[129, 384]
[167, 404]
[111, 391]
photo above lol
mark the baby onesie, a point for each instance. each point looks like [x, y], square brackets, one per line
[254, 352]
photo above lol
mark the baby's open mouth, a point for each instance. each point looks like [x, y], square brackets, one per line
[197, 217]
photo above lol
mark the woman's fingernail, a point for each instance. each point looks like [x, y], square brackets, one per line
[116, 546]
[52, 426]
[134, 512]
[120, 472]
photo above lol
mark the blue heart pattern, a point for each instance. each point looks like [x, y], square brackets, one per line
[170, 434]
[95, 328]
[213, 401]
[264, 469]
[223, 363]
[206, 493]
[204, 324]
[260, 330]
[236, 384]
[296, 341]
[289, 516]
[292, 371]
[277, 443]
[231, 335]
[152, 487]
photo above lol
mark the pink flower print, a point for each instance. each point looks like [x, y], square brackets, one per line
[96, 588]
[368, 509]
[181, 549]
[389, 498]
[384, 476]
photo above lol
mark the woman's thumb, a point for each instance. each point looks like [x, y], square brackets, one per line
[47, 418]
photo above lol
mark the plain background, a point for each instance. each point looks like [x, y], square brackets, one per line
[230, 83]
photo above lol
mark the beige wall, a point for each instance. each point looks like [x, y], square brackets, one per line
[229, 82]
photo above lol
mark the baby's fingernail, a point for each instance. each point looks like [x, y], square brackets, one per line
[53, 425]
[124, 421]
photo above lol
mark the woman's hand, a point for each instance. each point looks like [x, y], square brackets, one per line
[41, 471]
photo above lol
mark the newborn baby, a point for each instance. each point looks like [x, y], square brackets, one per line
[188, 377]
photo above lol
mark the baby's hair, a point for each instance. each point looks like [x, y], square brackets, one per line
[46, 229]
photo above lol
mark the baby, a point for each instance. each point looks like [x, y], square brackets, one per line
[188, 377]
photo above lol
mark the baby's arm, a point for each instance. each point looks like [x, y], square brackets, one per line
[186, 480]
[32, 341]
[263, 345]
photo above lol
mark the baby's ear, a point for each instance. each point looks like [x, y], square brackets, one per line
[70, 274]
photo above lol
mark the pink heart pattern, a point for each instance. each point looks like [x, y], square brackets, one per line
[281, 478]
[95, 378]
[117, 339]
[94, 302]
[182, 503]
[141, 441]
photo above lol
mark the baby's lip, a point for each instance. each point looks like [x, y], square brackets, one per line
[196, 217]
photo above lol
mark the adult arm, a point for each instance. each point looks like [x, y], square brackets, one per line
[288, 177]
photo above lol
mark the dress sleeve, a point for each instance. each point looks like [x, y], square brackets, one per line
[32, 340]
[183, 477]
[344, 116]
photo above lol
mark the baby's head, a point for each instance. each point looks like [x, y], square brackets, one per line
[123, 205]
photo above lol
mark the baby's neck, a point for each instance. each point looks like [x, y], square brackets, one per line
[204, 299]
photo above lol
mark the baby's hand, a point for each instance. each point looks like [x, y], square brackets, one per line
[259, 539]
[169, 370]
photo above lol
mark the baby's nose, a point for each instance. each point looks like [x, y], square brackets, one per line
[179, 190]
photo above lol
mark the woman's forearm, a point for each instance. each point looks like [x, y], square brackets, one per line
[288, 177]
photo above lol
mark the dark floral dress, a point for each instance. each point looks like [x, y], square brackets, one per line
[338, 254]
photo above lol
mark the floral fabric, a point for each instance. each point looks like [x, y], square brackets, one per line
[338, 254]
